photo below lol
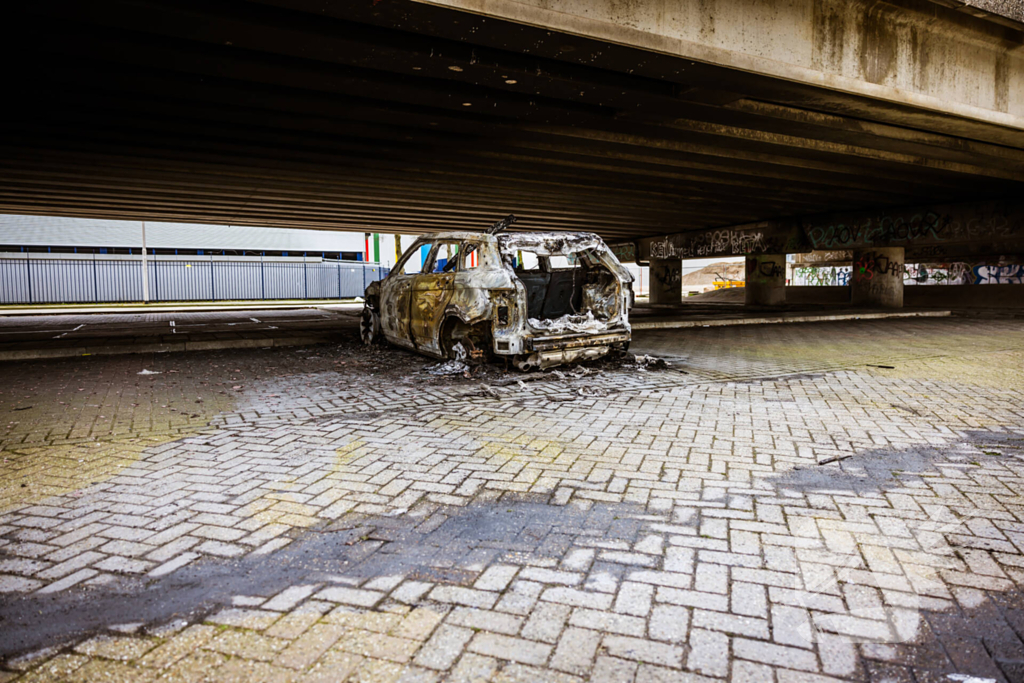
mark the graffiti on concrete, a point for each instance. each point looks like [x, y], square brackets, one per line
[937, 233]
[841, 256]
[873, 263]
[999, 275]
[883, 230]
[823, 276]
[950, 273]
[624, 251]
[710, 243]
[764, 271]
[670, 275]
[962, 273]
[950, 224]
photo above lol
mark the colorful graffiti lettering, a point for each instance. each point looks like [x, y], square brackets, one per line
[823, 276]
[999, 275]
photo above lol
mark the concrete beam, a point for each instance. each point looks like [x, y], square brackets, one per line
[990, 223]
[768, 237]
[857, 47]
[937, 232]
[1006, 12]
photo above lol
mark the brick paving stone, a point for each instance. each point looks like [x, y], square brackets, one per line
[473, 668]
[178, 647]
[644, 650]
[308, 647]
[288, 598]
[778, 655]
[350, 596]
[464, 596]
[709, 652]
[546, 622]
[411, 591]
[17, 584]
[669, 623]
[173, 565]
[682, 521]
[496, 578]
[246, 644]
[115, 647]
[578, 598]
[512, 649]
[576, 650]
[444, 647]
[485, 620]
[613, 670]
[245, 618]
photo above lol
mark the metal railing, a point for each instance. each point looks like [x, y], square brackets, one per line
[32, 279]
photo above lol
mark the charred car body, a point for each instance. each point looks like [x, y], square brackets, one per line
[539, 299]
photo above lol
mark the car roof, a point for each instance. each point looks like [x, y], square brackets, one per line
[457, 235]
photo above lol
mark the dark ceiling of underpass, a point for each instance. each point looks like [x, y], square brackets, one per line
[396, 116]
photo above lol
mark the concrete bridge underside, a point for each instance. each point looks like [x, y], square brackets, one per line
[631, 119]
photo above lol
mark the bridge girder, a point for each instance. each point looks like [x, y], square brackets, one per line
[407, 117]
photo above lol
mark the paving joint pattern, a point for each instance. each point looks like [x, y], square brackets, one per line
[617, 526]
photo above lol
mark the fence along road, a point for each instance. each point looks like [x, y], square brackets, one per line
[72, 278]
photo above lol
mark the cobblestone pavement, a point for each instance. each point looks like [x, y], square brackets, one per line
[795, 503]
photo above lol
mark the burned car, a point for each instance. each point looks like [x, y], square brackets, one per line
[538, 299]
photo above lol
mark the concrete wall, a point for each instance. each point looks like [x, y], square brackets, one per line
[964, 296]
[817, 295]
[931, 296]
[908, 51]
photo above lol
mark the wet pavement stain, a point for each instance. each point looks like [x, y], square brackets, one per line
[637, 530]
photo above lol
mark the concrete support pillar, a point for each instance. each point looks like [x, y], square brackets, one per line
[766, 280]
[666, 281]
[877, 278]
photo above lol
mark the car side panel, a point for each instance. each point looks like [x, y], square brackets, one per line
[430, 295]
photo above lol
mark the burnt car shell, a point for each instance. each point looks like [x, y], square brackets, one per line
[541, 299]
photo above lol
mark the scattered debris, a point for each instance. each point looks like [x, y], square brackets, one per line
[837, 458]
[645, 363]
[487, 390]
[905, 408]
[150, 372]
[884, 367]
[451, 367]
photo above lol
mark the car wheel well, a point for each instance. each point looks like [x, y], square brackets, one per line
[475, 338]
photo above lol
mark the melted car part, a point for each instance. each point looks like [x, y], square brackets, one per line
[501, 225]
